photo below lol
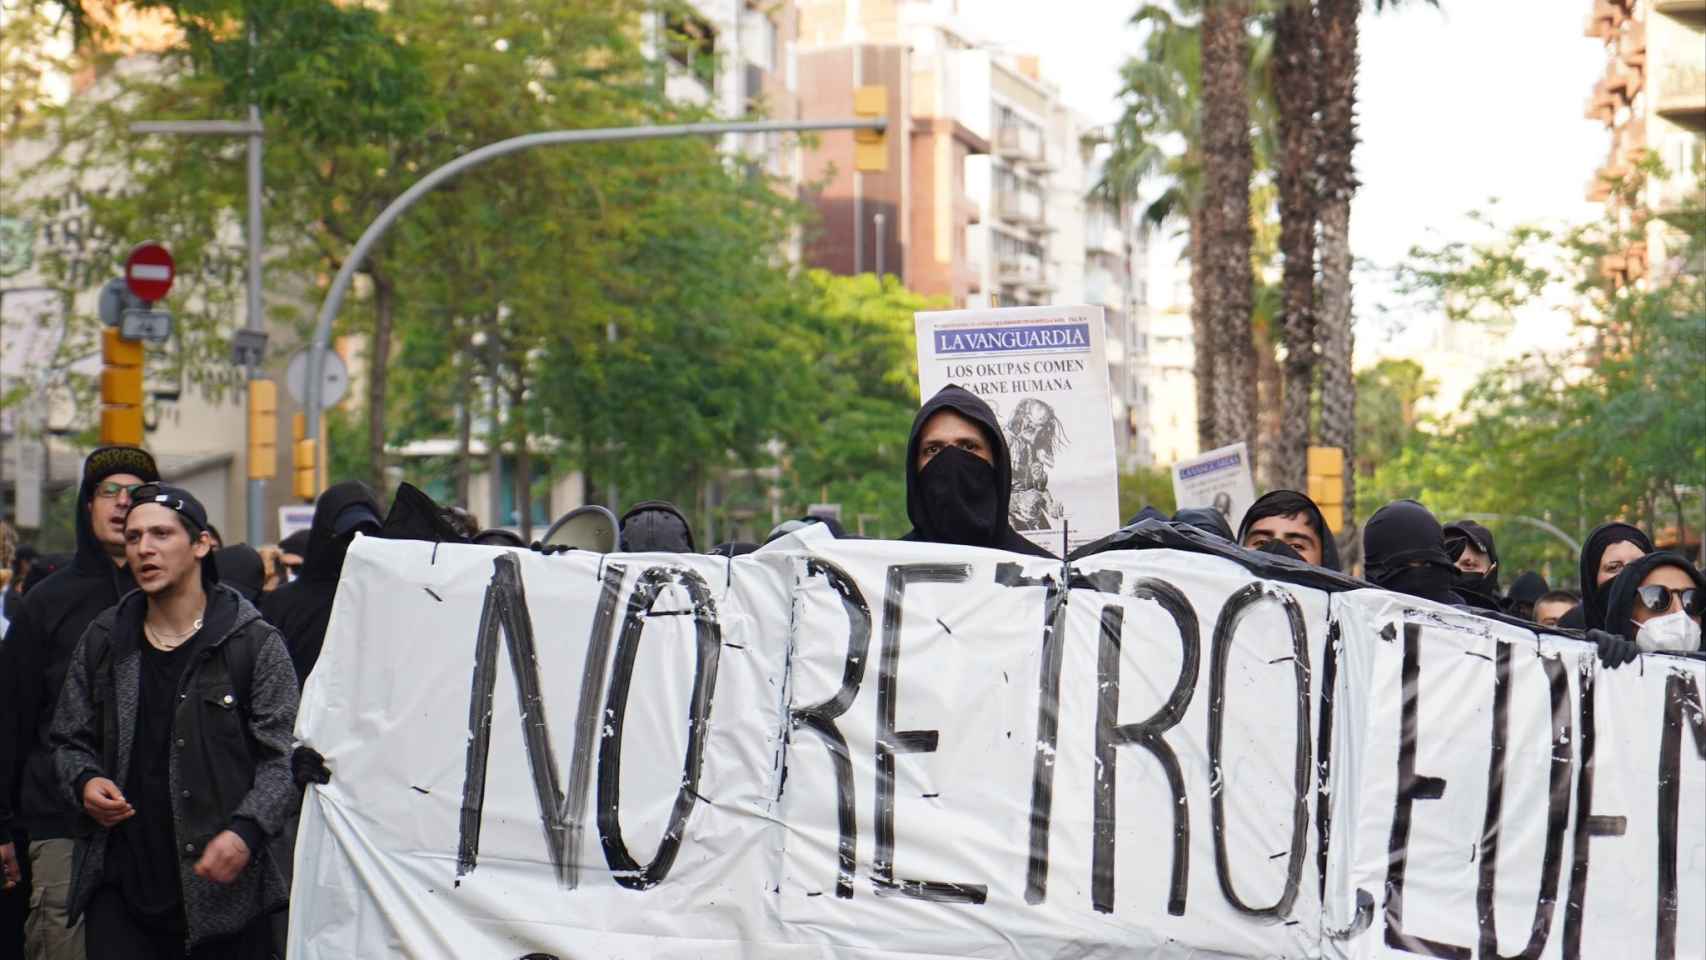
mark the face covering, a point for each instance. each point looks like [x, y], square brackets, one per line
[958, 490]
[1486, 584]
[1672, 633]
[1280, 548]
[1430, 581]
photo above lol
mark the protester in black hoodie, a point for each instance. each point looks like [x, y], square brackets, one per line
[1525, 593]
[959, 476]
[1655, 603]
[1403, 550]
[51, 619]
[301, 609]
[1604, 554]
[1291, 518]
[1470, 546]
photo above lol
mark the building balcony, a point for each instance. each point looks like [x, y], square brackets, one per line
[1104, 238]
[1019, 206]
[1019, 143]
[1678, 195]
[1681, 96]
[1014, 270]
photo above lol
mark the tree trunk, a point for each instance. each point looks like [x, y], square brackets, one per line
[1337, 23]
[378, 371]
[1227, 276]
[1202, 338]
[1266, 460]
[1295, 95]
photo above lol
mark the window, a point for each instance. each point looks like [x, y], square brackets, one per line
[692, 43]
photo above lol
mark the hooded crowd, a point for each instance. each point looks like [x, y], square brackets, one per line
[149, 682]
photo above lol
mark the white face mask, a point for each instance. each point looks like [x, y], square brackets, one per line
[1674, 633]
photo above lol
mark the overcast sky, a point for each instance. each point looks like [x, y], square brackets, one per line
[1474, 100]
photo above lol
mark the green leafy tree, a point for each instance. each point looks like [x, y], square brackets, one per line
[1612, 428]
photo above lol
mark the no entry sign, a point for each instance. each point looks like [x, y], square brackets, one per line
[149, 270]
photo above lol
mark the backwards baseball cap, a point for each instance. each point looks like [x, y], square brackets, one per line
[103, 462]
[185, 505]
[176, 499]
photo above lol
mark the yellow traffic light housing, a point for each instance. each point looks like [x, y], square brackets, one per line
[870, 147]
[305, 482]
[263, 429]
[121, 389]
[1327, 484]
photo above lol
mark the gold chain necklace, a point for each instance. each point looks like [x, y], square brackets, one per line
[167, 642]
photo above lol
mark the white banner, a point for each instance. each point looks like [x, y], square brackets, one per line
[1044, 371]
[869, 749]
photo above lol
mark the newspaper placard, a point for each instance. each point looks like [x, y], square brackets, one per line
[869, 750]
[1044, 371]
[1219, 479]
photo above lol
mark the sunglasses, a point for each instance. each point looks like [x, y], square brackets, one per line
[1657, 599]
[1454, 547]
[108, 490]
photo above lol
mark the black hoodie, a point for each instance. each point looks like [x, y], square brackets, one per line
[1403, 551]
[1479, 590]
[1290, 503]
[966, 404]
[1620, 592]
[302, 608]
[1603, 536]
[38, 646]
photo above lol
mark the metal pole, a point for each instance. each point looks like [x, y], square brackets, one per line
[377, 229]
[879, 218]
[1575, 547]
[256, 319]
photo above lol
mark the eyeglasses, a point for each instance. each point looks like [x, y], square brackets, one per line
[1454, 547]
[1657, 598]
[108, 490]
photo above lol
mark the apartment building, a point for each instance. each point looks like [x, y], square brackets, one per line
[986, 196]
[1652, 100]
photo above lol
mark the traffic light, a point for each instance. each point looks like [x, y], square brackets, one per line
[870, 147]
[121, 389]
[306, 483]
[263, 429]
[1327, 484]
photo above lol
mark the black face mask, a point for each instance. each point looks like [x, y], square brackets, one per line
[1485, 584]
[959, 498]
[1280, 548]
[1429, 581]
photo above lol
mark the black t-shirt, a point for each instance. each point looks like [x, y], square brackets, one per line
[143, 856]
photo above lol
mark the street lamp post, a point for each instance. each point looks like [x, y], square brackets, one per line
[408, 198]
[256, 321]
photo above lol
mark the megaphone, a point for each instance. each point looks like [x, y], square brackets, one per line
[591, 527]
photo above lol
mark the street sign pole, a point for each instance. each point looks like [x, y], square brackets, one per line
[256, 324]
[253, 346]
[425, 185]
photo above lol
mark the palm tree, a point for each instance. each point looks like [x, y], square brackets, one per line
[1292, 84]
[1225, 237]
[1161, 90]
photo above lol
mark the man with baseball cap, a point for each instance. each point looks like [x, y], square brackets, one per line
[38, 645]
[172, 736]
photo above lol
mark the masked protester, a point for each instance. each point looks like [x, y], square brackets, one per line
[1470, 546]
[241, 569]
[1525, 592]
[1403, 550]
[1553, 606]
[1654, 605]
[959, 477]
[1289, 517]
[50, 620]
[302, 608]
[1206, 519]
[172, 737]
[1609, 548]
